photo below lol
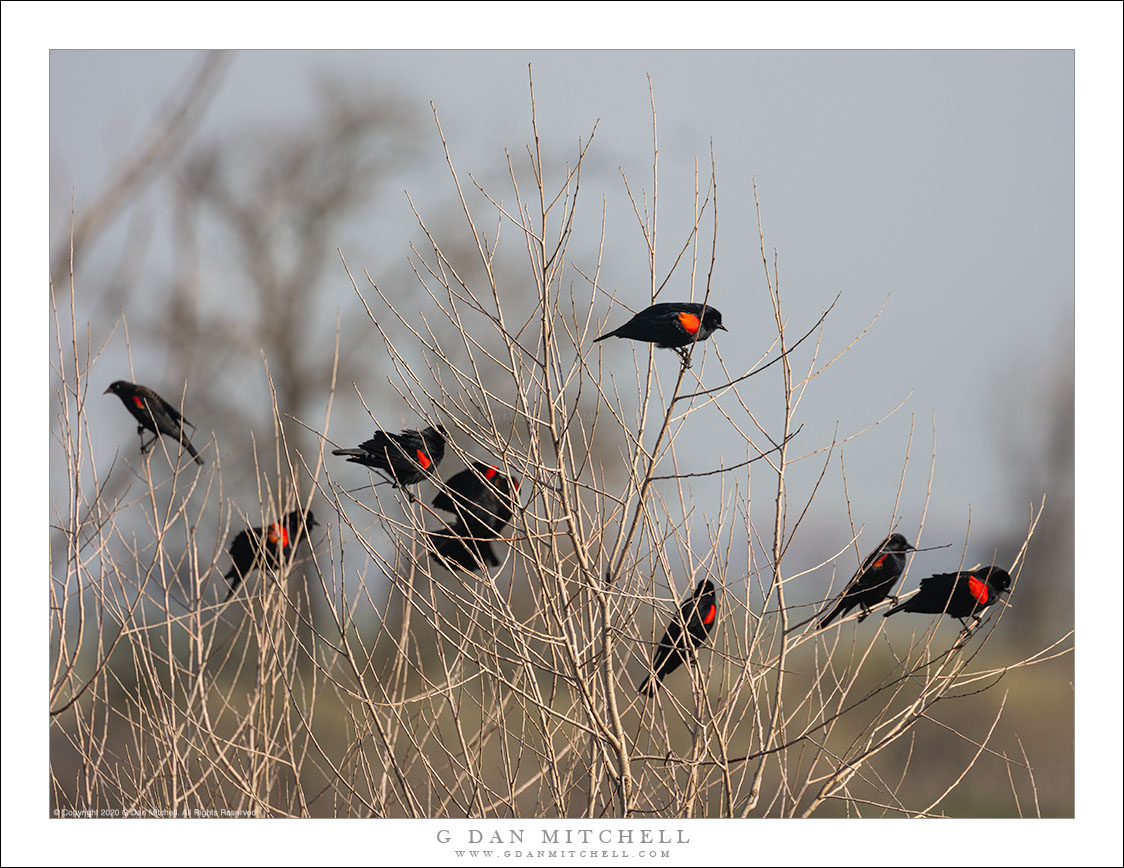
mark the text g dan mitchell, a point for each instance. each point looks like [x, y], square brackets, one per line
[622, 835]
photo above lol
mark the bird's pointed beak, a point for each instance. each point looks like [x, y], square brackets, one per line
[723, 327]
[107, 391]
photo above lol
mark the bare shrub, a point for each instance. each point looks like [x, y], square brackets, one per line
[385, 685]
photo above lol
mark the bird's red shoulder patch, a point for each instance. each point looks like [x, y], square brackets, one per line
[710, 614]
[878, 563]
[689, 321]
[278, 533]
[978, 590]
[489, 473]
[139, 401]
[423, 460]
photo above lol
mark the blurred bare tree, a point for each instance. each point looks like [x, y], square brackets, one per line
[256, 217]
[1044, 462]
[256, 220]
[275, 216]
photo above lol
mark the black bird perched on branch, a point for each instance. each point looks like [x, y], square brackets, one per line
[264, 547]
[962, 595]
[671, 325]
[688, 629]
[874, 581]
[479, 495]
[407, 457]
[154, 414]
[482, 500]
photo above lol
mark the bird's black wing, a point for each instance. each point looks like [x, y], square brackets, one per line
[379, 443]
[172, 411]
[456, 490]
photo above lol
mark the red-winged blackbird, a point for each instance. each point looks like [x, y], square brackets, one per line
[961, 595]
[479, 496]
[875, 579]
[154, 414]
[264, 547]
[671, 325]
[407, 457]
[482, 499]
[698, 614]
